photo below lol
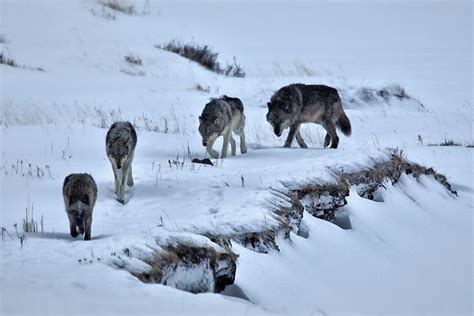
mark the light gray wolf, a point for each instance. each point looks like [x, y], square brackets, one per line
[221, 117]
[120, 142]
[295, 104]
[80, 194]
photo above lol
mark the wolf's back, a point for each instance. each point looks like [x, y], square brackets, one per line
[234, 102]
[78, 185]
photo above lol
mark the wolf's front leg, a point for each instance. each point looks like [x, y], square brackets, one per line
[116, 175]
[225, 145]
[214, 154]
[130, 176]
[233, 147]
[243, 144]
[122, 181]
[291, 135]
[88, 224]
[300, 140]
[72, 226]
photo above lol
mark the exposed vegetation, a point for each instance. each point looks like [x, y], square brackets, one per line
[386, 93]
[134, 60]
[204, 56]
[120, 6]
[201, 88]
[30, 225]
[447, 142]
[7, 61]
[12, 63]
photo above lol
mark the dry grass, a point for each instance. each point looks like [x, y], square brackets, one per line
[447, 142]
[204, 56]
[203, 89]
[120, 6]
[4, 60]
[134, 60]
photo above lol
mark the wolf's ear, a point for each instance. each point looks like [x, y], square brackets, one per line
[200, 119]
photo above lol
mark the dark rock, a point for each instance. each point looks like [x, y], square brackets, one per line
[205, 161]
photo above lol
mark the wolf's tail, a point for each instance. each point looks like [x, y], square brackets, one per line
[344, 124]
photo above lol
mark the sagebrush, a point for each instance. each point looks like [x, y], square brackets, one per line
[204, 56]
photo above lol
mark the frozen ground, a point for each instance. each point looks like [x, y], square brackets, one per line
[410, 254]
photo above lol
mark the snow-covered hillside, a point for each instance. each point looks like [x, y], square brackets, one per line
[409, 251]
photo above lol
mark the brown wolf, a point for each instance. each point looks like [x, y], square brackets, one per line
[80, 194]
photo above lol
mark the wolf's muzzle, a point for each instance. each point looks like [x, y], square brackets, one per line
[204, 144]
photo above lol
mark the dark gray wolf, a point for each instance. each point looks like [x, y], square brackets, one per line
[295, 104]
[80, 194]
[120, 142]
[221, 117]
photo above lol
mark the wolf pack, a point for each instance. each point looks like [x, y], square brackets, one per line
[289, 107]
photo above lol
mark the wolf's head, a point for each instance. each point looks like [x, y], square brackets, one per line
[119, 151]
[78, 208]
[209, 128]
[283, 108]
[280, 116]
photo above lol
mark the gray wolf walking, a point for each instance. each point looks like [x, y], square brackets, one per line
[120, 142]
[80, 194]
[221, 117]
[295, 104]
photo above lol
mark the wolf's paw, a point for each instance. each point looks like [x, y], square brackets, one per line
[121, 200]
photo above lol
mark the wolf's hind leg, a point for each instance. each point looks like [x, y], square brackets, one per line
[331, 129]
[300, 140]
[327, 140]
[233, 147]
[225, 145]
[130, 176]
[243, 144]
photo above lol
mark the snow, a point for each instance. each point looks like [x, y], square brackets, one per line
[408, 253]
